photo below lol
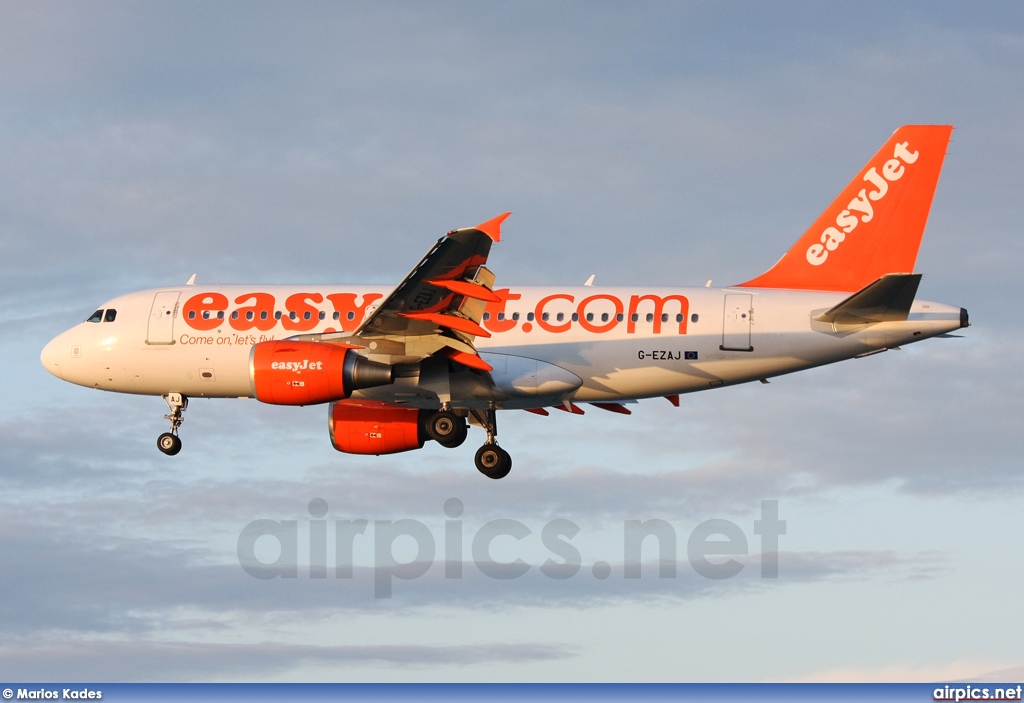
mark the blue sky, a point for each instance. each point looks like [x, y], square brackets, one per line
[655, 143]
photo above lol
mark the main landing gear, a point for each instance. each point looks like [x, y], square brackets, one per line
[446, 428]
[450, 430]
[169, 442]
[491, 460]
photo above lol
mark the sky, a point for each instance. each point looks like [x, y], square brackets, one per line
[645, 143]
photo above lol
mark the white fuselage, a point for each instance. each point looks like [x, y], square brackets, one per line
[588, 344]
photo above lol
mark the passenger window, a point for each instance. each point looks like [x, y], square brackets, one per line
[679, 317]
[590, 316]
[336, 315]
[664, 317]
[234, 314]
[650, 317]
[545, 317]
[307, 315]
[250, 316]
[110, 315]
[693, 317]
[191, 314]
[529, 316]
[96, 317]
[487, 316]
[515, 316]
[575, 317]
[263, 315]
[277, 314]
[220, 315]
[634, 317]
[604, 317]
[351, 315]
[293, 315]
[618, 317]
[323, 315]
[560, 316]
[501, 316]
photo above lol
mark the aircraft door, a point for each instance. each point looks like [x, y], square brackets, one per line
[739, 313]
[162, 316]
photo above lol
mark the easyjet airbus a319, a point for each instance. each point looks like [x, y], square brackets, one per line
[449, 346]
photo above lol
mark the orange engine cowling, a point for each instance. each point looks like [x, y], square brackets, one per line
[374, 428]
[307, 373]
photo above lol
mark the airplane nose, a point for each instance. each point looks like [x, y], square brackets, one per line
[50, 357]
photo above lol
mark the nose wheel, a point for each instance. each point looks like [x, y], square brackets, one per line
[169, 442]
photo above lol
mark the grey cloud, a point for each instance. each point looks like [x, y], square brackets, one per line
[248, 140]
[62, 581]
[87, 660]
[1012, 675]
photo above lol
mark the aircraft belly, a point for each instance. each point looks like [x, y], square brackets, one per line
[215, 373]
[653, 366]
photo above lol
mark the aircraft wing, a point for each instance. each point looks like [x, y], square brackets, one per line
[438, 306]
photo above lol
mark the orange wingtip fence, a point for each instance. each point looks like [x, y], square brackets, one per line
[492, 228]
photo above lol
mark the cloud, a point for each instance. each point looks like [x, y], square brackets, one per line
[75, 581]
[955, 671]
[89, 660]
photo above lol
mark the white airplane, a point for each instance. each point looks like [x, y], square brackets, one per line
[446, 346]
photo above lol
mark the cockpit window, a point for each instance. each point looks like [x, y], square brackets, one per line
[110, 315]
[96, 317]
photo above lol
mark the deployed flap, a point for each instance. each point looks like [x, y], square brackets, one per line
[438, 306]
[887, 299]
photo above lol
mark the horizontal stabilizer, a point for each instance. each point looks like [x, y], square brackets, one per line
[887, 299]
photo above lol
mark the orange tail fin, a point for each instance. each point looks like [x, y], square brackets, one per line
[875, 225]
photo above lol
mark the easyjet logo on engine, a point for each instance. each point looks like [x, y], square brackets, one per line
[297, 366]
[860, 209]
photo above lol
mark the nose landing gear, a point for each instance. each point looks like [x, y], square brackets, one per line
[169, 442]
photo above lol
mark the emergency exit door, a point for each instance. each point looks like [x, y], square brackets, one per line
[161, 317]
[739, 313]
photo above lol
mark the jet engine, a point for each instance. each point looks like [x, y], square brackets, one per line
[374, 428]
[307, 373]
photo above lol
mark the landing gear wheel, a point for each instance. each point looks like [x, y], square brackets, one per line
[493, 461]
[443, 426]
[461, 432]
[168, 443]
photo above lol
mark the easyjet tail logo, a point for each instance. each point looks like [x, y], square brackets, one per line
[860, 209]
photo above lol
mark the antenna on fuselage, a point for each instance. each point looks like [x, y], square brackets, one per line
[191, 281]
[590, 281]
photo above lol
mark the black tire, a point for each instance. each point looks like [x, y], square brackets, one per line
[168, 443]
[460, 436]
[443, 426]
[493, 461]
